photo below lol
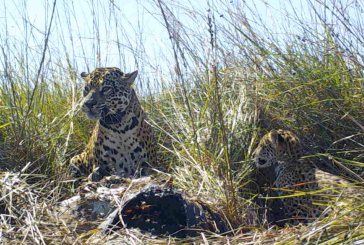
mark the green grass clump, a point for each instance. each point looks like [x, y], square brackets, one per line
[233, 75]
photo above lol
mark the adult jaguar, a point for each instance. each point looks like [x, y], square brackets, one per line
[295, 177]
[122, 141]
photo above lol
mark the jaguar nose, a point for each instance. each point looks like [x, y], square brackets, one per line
[262, 161]
[90, 103]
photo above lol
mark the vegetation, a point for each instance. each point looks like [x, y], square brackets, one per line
[226, 76]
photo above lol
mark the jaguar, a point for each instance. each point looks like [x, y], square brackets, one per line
[122, 141]
[304, 189]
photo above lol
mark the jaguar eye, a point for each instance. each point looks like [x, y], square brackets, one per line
[106, 90]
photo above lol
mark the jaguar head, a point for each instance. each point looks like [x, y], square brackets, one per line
[267, 152]
[107, 92]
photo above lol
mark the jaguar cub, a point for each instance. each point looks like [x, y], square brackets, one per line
[294, 177]
[122, 142]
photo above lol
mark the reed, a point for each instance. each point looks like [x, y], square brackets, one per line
[225, 75]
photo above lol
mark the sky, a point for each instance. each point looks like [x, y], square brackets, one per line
[76, 20]
[129, 34]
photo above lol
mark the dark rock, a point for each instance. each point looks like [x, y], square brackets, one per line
[164, 211]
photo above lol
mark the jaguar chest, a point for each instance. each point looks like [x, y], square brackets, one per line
[119, 150]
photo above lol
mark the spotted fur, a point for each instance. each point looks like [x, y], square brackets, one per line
[277, 145]
[121, 142]
[282, 150]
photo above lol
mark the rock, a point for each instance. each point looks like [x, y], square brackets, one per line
[164, 211]
[152, 206]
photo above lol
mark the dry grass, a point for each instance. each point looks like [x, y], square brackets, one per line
[227, 77]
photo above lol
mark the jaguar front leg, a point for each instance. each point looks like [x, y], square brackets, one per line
[80, 165]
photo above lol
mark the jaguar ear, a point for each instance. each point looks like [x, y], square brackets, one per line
[276, 139]
[84, 74]
[129, 78]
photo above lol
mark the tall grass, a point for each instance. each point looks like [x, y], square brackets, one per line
[225, 75]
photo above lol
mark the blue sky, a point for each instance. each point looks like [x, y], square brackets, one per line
[124, 33]
[73, 27]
